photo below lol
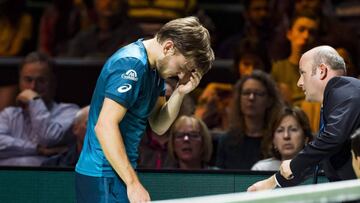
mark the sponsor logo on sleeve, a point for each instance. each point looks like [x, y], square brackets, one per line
[124, 88]
[130, 75]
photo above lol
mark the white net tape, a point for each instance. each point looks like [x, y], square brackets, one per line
[326, 192]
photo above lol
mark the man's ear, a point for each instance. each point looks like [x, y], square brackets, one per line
[168, 47]
[323, 71]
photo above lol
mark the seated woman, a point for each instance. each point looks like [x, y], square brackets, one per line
[256, 100]
[290, 132]
[190, 143]
[214, 102]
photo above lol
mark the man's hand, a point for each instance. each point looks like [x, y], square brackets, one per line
[25, 96]
[285, 170]
[137, 193]
[266, 184]
[188, 84]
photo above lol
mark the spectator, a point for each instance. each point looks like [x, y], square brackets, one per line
[256, 101]
[112, 31]
[153, 14]
[248, 58]
[257, 29]
[15, 36]
[351, 69]
[31, 131]
[59, 23]
[190, 143]
[301, 35]
[70, 156]
[290, 132]
[213, 103]
[213, 106]
[16, 28]
[153, 149]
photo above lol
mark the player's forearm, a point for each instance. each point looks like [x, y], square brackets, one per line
[162, 120]
[114, 149]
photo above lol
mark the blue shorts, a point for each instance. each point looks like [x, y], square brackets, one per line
[99, 189]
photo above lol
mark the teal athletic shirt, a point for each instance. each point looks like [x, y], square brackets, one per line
[127, 79]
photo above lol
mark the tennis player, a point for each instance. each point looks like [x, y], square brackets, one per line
[129, 93]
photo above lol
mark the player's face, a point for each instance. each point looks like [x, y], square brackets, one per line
[289, 137]
[174, 65]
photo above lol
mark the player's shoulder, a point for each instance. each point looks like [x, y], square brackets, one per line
[134, 52]
[133, 55]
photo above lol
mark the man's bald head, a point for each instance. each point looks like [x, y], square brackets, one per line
[328, 56]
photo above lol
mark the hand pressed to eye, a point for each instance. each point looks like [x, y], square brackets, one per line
[189, 82]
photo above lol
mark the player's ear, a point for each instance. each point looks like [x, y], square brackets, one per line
[168, 47]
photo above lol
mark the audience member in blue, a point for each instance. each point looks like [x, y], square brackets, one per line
[130, 92]
[34, 129]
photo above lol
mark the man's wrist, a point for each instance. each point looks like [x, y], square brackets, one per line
[276, 181]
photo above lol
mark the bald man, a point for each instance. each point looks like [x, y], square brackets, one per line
[321, 78]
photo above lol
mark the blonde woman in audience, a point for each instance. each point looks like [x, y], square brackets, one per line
[190, 143]
[290, 131]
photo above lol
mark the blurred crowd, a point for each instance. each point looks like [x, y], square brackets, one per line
[252, 122]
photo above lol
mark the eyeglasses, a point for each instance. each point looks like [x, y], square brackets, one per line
[179, 136]
[255, 93]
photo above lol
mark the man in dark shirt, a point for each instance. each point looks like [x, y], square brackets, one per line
[321, 71]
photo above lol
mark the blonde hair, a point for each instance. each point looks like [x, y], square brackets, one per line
[204, 133]
[191, 39]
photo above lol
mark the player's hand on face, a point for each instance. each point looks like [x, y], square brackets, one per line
[188, 82]
[137, 193]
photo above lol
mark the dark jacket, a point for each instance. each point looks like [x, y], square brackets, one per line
[238, 151]
[332, 146]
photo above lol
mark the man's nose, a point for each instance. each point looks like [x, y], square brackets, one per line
[299, 82]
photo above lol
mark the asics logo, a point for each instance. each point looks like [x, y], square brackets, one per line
[124, 88]
[130, 75]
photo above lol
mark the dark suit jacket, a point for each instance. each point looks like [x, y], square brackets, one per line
[332, 146]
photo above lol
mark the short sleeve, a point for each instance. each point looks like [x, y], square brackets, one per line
[124, 80]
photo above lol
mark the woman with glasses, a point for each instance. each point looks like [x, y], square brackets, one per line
[256, 101]
[290, 131]
[190, 143]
